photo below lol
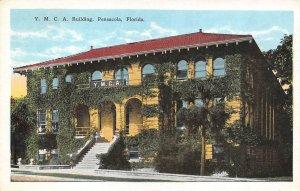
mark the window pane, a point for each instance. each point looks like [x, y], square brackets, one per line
[43, 86]
[55, 115]
[219, 63]
[219, 72]
[96, 75]
[184, 104]
[199, 102]
[182, 65]
[54, 120]
[200, 65]
[42, 121]
[182, 74]
[148, 69]
[219, 67]
[122, 74]
[69, 78]
[182, 69]
[42, 116]
[55, 83]
[200, 74]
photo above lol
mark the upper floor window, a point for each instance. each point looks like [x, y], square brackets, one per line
[148, 70]
[122, 74]
[97, 75]
[200, 69]
[43, 86]
[42, 121]
[54, 120]
[69, 78]
[55, 83]
[219, 67]
[182, 68]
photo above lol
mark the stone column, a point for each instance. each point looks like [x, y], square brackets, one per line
[120, 114]
[135, 74]
[209, 66]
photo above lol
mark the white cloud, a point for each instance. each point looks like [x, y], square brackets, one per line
[55, 52]
[17, 52]
[156, 31]
[256, 33]
[51, 32]
[129, 33]
[162, 31]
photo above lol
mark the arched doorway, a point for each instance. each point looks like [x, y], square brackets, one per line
[82, 120]
[107, 117]
[133, 116]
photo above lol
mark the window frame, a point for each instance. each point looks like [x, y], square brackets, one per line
[201, 101]
[219, 69]
[55, 122]
[42, 124]
[100, 79]
[55, 86]
[121, 69]
[179, 72]
[71, 78]
[201, 71]
[43, 86]
[147, 74]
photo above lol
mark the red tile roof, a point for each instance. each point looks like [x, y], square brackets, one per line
[147, 46]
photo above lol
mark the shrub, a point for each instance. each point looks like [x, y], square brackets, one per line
[116, 158]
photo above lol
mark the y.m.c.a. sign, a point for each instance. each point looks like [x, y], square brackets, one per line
[96, 84]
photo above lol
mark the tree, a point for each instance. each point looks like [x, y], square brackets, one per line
[281, 61]
[199, 119]
[22, 120]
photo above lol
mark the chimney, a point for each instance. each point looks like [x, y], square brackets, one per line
[91, 47]
[200, 30]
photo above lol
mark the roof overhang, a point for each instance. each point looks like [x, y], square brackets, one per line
[25, 69]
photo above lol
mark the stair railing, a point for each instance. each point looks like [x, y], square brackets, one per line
[75, 157]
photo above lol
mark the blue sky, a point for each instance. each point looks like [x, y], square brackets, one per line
[36, 41]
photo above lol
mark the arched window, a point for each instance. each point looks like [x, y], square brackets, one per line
[55, 83]
[97, 75]
[200, 68]
[122, 74]
[69, 78]
[182, 68]
[43, 86]
[219, 67]
[148, 70]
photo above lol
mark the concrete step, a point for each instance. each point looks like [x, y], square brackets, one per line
[89, 160]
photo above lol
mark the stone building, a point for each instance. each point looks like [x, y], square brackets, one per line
[103, 90]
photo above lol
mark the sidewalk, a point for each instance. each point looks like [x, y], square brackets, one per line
[117, 175]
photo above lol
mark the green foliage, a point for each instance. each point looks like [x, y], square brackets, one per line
[20, 127]
[116, 158]
[147, 142]
[178, 153]
[281, 59]
[150, 110]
